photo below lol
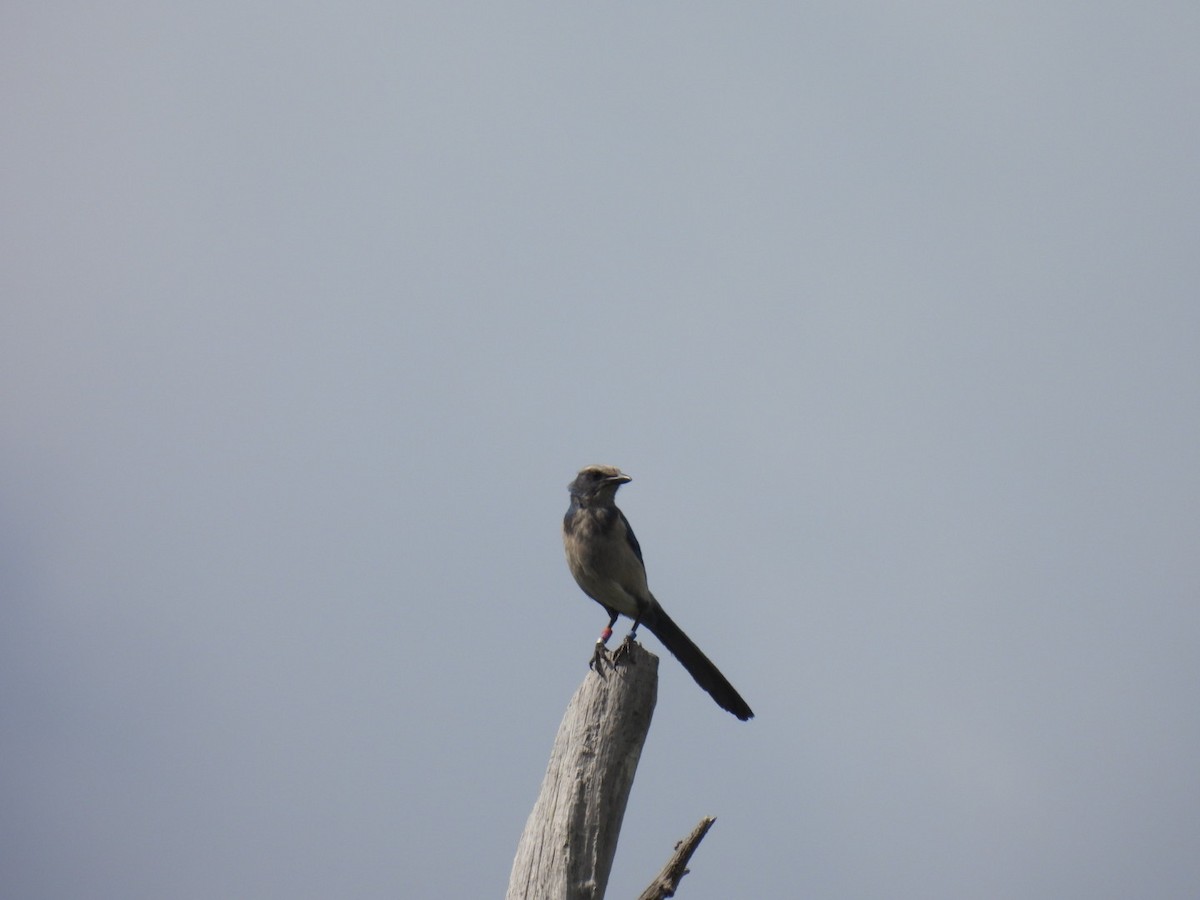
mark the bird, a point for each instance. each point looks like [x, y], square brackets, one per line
[606, 561]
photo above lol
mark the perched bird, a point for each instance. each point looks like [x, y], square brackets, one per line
[606, 561]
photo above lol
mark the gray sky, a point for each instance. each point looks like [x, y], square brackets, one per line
[310, 313]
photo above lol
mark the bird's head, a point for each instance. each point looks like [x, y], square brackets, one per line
[597, 483]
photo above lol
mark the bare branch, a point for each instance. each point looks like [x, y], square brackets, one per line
[668, 879]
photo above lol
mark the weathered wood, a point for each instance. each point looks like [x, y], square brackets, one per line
[567, 848]
[667, 882]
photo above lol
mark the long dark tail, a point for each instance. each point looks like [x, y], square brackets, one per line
[698, 665]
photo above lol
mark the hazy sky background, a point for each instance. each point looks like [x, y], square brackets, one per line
[310, 312]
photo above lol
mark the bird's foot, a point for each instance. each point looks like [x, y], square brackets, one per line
[600, 659]
[623, 651]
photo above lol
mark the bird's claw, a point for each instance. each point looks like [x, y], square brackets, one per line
[599, 659]
[624, 650]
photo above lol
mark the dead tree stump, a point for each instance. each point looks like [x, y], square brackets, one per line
[566, 851]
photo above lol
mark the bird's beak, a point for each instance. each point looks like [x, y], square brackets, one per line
[620, 478]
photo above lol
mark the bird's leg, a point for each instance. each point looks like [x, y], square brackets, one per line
[626, 645]
[600, 654]
[623, 650]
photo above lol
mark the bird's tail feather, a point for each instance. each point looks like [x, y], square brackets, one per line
[699, 666]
